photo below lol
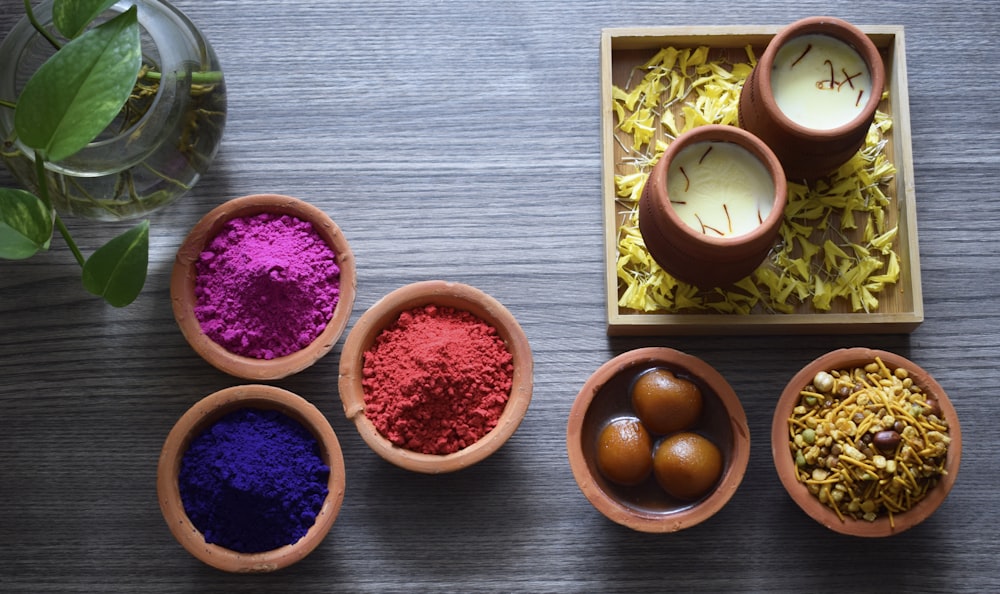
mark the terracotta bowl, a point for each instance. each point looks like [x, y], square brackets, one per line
[385, 312]
[784, 459]
[182, 287]
[703, 258]
[201, 416]
[808, 153]
[646, 507]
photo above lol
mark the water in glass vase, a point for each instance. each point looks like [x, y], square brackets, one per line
[163, 140]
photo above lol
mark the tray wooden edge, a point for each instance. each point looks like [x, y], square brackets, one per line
[651, 324]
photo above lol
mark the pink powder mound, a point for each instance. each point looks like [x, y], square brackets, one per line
[266, 286]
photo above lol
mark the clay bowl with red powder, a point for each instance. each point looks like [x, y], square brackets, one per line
[185, 287]
[921, 415]
[436, 376]
[659, 498]
[203, 415]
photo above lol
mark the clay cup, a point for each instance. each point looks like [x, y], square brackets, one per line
[807, 153]
[700, 257]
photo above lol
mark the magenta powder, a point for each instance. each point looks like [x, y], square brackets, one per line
[266, 286]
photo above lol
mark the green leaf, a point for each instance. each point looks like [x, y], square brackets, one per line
[71, 17]
[80, 90]
[25, 224]
[117, 270]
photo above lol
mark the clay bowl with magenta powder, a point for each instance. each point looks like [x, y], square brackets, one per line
[713, 205]
[893, 455]
[659, 496]
[275, 281]
[204, 415]
[417, 434]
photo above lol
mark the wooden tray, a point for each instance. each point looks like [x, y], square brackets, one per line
[900, 306]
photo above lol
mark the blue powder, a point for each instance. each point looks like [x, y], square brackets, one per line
[253, 481]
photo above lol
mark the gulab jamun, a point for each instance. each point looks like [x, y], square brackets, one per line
[625, 451]
[664, 402]
[687, 465]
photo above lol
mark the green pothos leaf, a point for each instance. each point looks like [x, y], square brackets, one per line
[80, 90]
[117, 270]
[71, 17]
[25, 224]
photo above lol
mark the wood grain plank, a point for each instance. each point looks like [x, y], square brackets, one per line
[462, 141]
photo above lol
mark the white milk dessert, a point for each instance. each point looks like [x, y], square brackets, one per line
[720, 189]
[820, 82]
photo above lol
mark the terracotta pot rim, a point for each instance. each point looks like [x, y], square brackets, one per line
[198, 418]
[694, 257]
[846, 32]
[740, 137]
[383, 313]
[784, 463]
[182, 283]
[659, 522]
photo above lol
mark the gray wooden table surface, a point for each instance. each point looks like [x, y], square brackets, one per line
[461, 140]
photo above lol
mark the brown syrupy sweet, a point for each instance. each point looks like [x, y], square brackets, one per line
[625, 451]
[687, 465]
[664, 402]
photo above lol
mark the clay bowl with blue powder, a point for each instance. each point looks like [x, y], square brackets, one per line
[251, 479]
[263, 286]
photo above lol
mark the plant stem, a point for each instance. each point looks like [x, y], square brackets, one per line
[43, 182]
[69, 241]
[43, 191]
[38, 26]
[198, 78]
[8, 104]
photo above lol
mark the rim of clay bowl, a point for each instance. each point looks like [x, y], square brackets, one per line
[761, 236]
[692, 256]
[198, 418]
[810, 504]
[843, 31]
[383, 313]
[659, 522]
[182, 284]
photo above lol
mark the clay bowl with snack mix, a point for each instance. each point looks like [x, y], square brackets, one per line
[866, 442]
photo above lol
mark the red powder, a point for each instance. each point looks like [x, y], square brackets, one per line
[437, 380]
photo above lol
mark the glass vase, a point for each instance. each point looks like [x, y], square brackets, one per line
[164, 139]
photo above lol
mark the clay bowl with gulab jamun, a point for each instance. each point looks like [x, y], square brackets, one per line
[657, 440]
